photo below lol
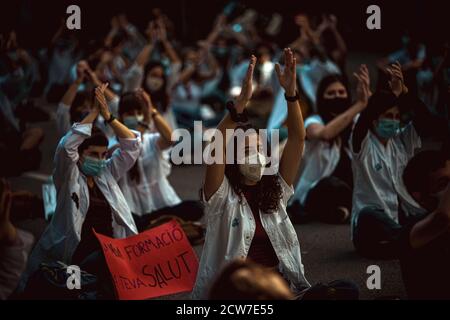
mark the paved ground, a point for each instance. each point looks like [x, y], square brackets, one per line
[326, 249]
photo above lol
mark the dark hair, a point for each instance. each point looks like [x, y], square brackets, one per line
[269, 187]
[378, 103]
[129, 102]
[97, 138]
[229, 287]
[418, 170]
[324, 84]
[80, 98]
[119, 38]
[160, 98]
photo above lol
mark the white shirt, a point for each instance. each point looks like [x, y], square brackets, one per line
[153, 191]
[61, 237]
[320, 159]
[229, 233]
[378, 169]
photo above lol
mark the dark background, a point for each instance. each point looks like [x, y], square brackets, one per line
[37, 20]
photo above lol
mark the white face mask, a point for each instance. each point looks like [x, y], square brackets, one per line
[154, 83]
[253, 168]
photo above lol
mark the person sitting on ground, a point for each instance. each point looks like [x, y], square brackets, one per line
[245, 206]
[425, 256]
[146, 187]
[88, 195]
[381, 148]
[326, 168]
[15, 245]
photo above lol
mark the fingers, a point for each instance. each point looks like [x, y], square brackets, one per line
[288, 58]
[99, 94]
[364, 74]
[251, 68]
[103, 87]
[278, 70]
[394, 71]
[357, 77]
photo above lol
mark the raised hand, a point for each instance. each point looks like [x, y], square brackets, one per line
[101, 101]
[363, 88]
[396, 83]
[161, 32]
[288, 77]
[82, 67]
[152, 33]
[247, 87]
[148, 101]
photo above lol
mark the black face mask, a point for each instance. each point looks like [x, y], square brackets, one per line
[330, 108]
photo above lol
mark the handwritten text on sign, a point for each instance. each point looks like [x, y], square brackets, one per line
[157, 262]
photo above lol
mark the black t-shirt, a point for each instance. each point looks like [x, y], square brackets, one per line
[426, 271]
[99, 218]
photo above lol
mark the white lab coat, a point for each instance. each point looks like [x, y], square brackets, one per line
[230, 230]
[154, 190]
[62, 236]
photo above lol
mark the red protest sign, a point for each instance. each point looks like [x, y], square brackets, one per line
[154, 263]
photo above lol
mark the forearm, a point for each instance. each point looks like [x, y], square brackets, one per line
[434, 225]
[296, 129]
[109, 94]
[144, 55]
[215, 172]
[341, 122]
[425, 123]
[342, 47]
[90, 118]
[163, 128]
[121, 131]
[186, 74]
[292, 153]
[70, 94]
[173, 56]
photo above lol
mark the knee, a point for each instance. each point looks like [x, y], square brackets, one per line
[37, 133]
[368, 214]
[344, 290]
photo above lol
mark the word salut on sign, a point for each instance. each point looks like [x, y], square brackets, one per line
[157, 262]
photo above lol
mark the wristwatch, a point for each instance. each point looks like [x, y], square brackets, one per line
[236, 117]
[111, 119]
[292, 99]
[154, 113]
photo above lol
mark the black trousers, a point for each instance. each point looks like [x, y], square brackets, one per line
[376, 235]
[335, 290]
[326, 197]
[187, 210]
